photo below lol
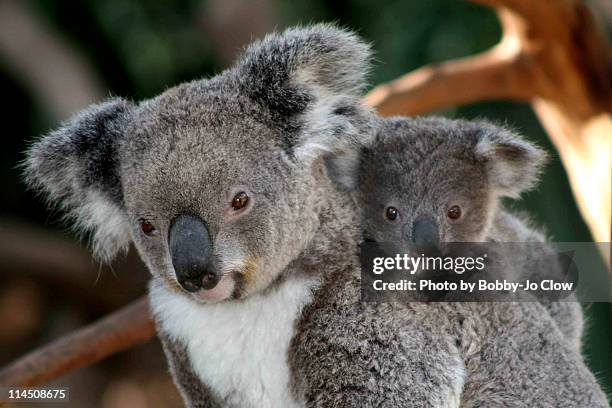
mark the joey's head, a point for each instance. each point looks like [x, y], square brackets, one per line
[217, 182]
[426, 181]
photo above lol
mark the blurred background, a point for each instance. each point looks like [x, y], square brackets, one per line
[57, 57]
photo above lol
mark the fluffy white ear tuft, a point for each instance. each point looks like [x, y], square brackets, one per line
[107, 222]
[77, 168]
[335, 124]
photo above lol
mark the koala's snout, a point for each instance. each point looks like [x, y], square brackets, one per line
[425, 235]
[191, 250]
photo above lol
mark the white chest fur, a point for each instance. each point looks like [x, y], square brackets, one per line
[239, 349]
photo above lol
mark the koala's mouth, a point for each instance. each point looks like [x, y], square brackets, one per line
[232, 285]
[223, 290]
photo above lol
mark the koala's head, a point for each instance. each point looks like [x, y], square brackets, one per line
[432, 180]
[217, 182]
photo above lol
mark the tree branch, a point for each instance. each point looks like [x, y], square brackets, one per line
[492, 74]
[117, 332]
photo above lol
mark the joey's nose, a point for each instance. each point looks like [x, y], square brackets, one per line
[425, 235]
[191, 251]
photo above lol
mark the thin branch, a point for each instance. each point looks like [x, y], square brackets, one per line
[117, 332]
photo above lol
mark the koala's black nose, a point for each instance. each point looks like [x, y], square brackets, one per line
[191, 251]
[425, 235]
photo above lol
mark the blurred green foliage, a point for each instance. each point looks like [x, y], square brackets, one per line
[139, 48]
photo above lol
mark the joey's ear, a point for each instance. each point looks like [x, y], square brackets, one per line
[310, 79]
[513, 163]
[77, 168]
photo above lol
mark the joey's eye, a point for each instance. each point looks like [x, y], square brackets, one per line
[454, 212]
[240, 201]
[391, 213]
[147, 227]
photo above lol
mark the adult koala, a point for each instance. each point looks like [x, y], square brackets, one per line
[222, 186]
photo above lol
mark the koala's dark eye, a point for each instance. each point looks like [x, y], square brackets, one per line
[391, 213]
[240, 201]
[147, 227]
[454, 212]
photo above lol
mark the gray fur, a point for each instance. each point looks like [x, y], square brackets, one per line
[508, 227]
[439, 354]
[513, 354]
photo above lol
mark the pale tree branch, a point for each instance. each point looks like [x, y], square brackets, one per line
[491, 74]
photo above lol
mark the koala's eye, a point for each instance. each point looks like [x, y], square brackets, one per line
[147, 227]
[454, 212]
[240, 201]
[391, 213]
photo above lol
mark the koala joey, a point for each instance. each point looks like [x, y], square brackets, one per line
[429, 181]
[221, 184]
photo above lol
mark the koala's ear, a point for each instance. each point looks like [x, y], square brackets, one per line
[343, 168]
[513, 163]
[310, 79]
[77, 168]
